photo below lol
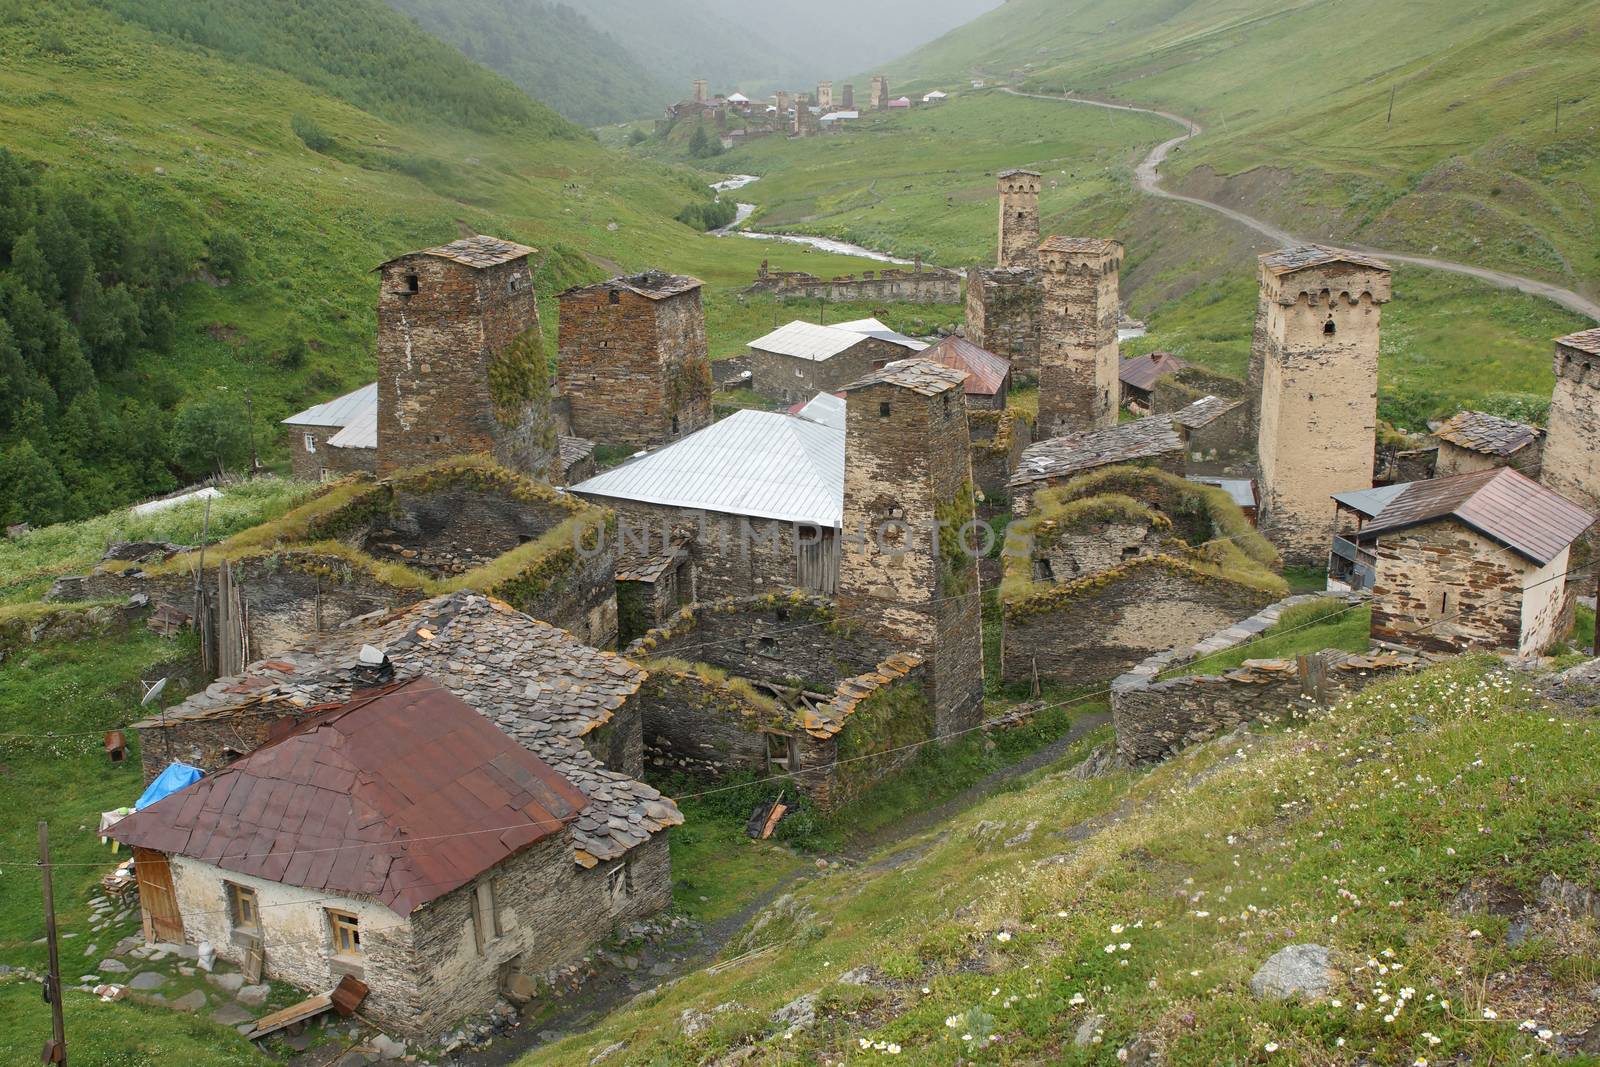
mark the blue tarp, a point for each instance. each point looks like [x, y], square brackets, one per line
[177, 776]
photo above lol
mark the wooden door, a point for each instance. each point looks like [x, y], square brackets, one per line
[157, 899]
[817, 561]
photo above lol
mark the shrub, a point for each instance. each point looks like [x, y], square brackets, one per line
[311, 135]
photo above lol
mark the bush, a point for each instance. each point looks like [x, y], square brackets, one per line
[227, 254]
[311, 135]
[637, 137]
[710, 215]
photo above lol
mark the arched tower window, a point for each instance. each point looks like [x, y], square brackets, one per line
[1329, 329]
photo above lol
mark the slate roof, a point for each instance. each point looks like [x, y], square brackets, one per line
[401, 796]
[651, 284]
[1584, 341]
[1015, 171]
[1142, 372]
[338, 411]
[1289, 260]
[986, 372]
[1091, 246]
[543, 687]
[573, 449]
[1204, 412]
[1489, 434]
[1501, 504]
[1060, 457]
[479, 251]
[760, 464]
[920, 375]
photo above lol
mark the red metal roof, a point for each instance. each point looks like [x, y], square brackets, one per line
[986, 372]
[1500, 503]
[1142, 372]
[400, 795]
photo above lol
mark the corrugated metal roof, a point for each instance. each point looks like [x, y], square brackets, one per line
[340, 411]
[414, 795]
[1370, 502]
[874, 328]
[362, 431]
[1142, 372]
[807, 340]
[1241, 491]
[986, 372]
[825, 408]
[1500, 503]
[761, 464]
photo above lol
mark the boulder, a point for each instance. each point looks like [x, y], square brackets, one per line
[1296, 971]
[147, 980]
[799, 1014]
[253, 996]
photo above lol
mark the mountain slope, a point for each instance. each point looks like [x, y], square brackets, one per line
[551, 51]
[1296, 104]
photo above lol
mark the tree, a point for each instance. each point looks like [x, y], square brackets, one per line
[30, 489]
[209, 436]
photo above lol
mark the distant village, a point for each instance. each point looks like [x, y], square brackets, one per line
[447, 688]
[789, 113]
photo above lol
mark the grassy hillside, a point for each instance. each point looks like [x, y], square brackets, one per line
[552, 51]
[1105, 920]
[1296, 104]
[322, 148]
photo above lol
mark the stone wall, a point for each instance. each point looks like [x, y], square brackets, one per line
[1572, 447]
[1319, 401]
[1149, 604]
[1079, 388]
[1159, 709]
[1441, 587]
[999, 438]
[1453, 459]
[327, 462]
[920, 285]
[632, 369]
[1004, 311]
[1225, 439]
[437, 342]
[794, 380]
[908, 470]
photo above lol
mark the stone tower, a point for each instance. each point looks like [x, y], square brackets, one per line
[1019, 218]
[1004, 308]
[632, 366]
[1572, 447]
[1078, 365]
[702, 91]
[1317, 347]
[785, 101]
[908, 472]
[880, 92]
[805, 123]
[448, 320]
[825, 95]
[848, 96]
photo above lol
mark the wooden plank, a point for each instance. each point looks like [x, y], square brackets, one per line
[309, 1008]
[158, 902]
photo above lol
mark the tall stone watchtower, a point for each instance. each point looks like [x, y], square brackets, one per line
[1078, 387]
[449, 319]
[632, 364]
[825, 95]
[1572, 447]
[1317, 350]
[1019, 218]
[908, 469]
[702, 91]
[848, 92]
[880, 92]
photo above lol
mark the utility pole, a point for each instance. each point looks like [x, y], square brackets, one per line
[1558, 114]
[55, 1050]
[250, 413]
[1390, 120]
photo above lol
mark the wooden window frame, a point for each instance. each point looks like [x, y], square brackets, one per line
[244, 907]
[309, 440]
[345, 928]
[485, 927]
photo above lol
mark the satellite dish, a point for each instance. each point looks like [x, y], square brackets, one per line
[372, 657]
[152, 692]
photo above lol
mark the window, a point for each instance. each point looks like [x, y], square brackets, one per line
[485, 914]
[311, 442]
[883, 409]
[515, 281]
[619, 883]
[1130, 551]
[616, 297]
[1329, 328]
[243, 907]
[323, 474]
[411, 283]
[346, 930]
[674, 425]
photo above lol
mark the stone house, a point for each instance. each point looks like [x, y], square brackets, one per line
[1314, 367]
[797, 361]
[1153, 560]
[1473, 441]
[988, 375]
[310, 431]
[1215, 431]
[461, 367]
[1078, 353]
[632, 365]
[1149, 442]
[1475, 561]
[314, 850]
[781, 684]
[750, 504]
[1571, 460]
[1138, 376]
[1352, 564]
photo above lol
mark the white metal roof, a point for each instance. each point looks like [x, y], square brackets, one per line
[874, 328]
[360, 432]
[826, 409]
[807, 340]
[835, 116]
[340, 411]
[761, 464]
[738, 98]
